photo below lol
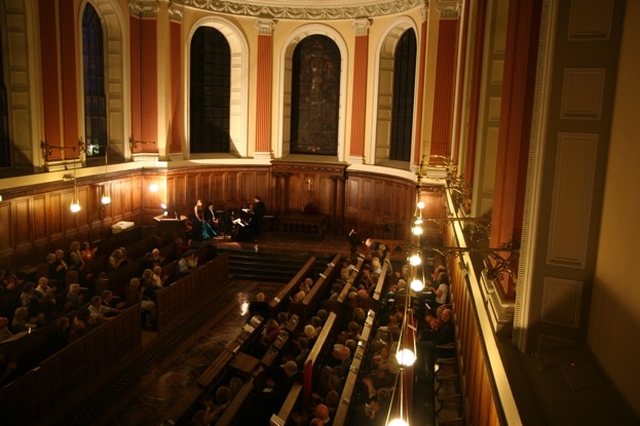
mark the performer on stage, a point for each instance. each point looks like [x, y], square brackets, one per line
[258, 210]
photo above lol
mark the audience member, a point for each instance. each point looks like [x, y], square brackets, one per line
[259, 307]
[5, 333]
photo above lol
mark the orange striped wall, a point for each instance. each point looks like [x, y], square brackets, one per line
[50, 76]
[264, 93]
[69, 79]
[176, 123]
[444, 87]
[359, 106]
[134, 44]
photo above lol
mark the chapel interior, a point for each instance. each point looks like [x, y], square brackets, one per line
[514, 123]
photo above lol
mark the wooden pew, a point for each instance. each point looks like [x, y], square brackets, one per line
[190, 292]
[380, 289]
[318, 292]
[314, 361]
[280, 302]
[71, 372]
[352, 378]
[238, 344]
[238, 401]
[117, 280]
[338, 305]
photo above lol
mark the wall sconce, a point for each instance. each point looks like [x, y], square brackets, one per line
[106, 198]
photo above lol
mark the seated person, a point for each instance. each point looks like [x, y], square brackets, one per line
[259, 307]
[20, 321]
[82, 322]
[98, 311]
[75, 298]
[157, 258]
[187, 263]
[5, 333]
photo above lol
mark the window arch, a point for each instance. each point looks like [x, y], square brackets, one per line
[237, 84]
[210, 91]
[284, 124]
[403, 97]
[107, 16]
[315, 96]
[95, 100]
[395, 96]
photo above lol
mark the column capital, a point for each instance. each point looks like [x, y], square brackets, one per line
[361, 26]
[176, 11]
[424, 11]
[265, 26]
[448, 8]
[144, 8]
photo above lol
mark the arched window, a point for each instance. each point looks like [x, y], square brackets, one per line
[95, 101]
[5, 143]
[315, 99]
[210, 91]
[403, 97]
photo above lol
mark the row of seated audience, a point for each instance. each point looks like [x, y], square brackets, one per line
[378, 371]
[273, 386]
[73, 310]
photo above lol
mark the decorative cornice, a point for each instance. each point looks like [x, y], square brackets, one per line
[448, 9]
[304, 10]
[265, 26]
[176, 12]
[144, 8]
[361, 26]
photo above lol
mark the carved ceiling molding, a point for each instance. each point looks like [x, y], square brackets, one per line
[303, 10]
[144, 8]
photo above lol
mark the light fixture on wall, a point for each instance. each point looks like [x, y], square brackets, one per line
[75, 204]
[106, 193]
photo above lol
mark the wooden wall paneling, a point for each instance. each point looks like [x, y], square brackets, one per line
[192, 189]
[55, 223]
[218, 191]
[247, 187]
[22, 221]
[6, 236]
[133, 189]
[264, 182]
[232, 188]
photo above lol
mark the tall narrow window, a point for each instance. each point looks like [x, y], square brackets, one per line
[315, 99]
[210, 91]
[5, 143]
[403, 94]
[95, 101]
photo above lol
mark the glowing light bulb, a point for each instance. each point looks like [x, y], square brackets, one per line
[153, 187]
[398, 422]
[415, 260]
[105, 200]
[75, 207]
[417, 285]
[421, 205]
[417, 230]
[406, 357]
[418, 221]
